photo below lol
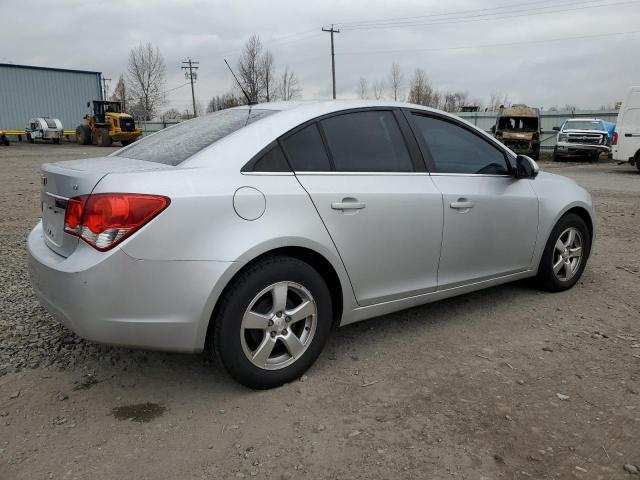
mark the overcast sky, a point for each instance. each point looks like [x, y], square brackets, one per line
[502, 56]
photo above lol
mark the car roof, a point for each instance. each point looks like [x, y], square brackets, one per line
[583, 120]
[244, 143]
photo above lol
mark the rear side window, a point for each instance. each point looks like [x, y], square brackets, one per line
[306, 151]
[368, 141]
[455, 149]
[174, 145]
[271, 161]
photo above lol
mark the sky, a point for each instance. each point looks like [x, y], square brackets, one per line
[543, 53]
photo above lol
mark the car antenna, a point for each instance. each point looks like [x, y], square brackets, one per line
[249, 101]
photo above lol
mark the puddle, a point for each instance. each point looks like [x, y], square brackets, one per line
[139, 412]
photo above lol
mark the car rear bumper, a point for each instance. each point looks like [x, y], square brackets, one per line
[569, 148]
[116, 299]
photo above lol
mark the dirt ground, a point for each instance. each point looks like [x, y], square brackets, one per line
[505, 383]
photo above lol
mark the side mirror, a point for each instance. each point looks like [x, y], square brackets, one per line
[557, 129]
[526, 167]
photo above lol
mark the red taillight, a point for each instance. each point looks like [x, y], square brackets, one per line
[615, 138]
[105, 219]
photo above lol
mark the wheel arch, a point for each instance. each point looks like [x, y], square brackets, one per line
[585, 215]
[305, 254]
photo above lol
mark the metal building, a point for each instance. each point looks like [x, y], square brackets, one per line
[27, 92]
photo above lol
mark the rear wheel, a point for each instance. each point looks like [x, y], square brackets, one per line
[102, 137]
[565, 254]
[56, 140]
[637, 160]
[83, 135]
[30, 138]
[272, 322]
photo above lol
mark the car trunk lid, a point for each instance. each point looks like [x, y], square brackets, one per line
[64, 180]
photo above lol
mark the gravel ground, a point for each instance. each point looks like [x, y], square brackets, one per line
[506, 383]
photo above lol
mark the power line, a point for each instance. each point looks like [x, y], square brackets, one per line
[465, 47]
[494, 16]
[444, 14]
[191, 75]
[333, 58]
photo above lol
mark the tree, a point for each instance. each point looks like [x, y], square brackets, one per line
[378, 89]
[146, 78]
[420, 89]
[496, 100]
[120, 93]
[363, 88]
[172, 114]
[268, 77]
[228, 100]
[288, 88]
[250, 68]
[396, 78]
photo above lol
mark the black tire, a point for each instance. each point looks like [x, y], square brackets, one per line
[102, 137]
[56, 140]
[83, 135]
[226, 340]
[126, 143]
[30, 138]
[556, 157]
[637, 161]
[595, 156]
[546, 278]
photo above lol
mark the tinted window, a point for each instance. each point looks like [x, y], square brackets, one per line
[174, 145]
[306, 151]
[367, 142]
[455, 149]
[271, 161]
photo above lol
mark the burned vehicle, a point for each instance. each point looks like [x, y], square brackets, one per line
[518, 127]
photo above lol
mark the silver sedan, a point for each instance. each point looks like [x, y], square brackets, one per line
[251, 231]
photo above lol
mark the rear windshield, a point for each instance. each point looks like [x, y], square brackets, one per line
[524, 124]
[583, 125]
[174, 145]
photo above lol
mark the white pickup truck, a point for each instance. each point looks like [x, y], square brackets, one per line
[581, 137]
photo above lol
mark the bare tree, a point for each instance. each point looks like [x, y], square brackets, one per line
[228, 100]
[420, 89]
[396, 78]
[288, 88]
[146, 78]
[363, 88]
[172, 114]
[120, 93]
[250, 68]
[496, 100]
[378, 89]
[268, 76]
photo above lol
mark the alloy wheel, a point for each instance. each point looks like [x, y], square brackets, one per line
[278, 325]
[567, 254]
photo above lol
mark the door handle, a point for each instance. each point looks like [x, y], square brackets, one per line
[629, 135]
[348, 204]
[462, 204]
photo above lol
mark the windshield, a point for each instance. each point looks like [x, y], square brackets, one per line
[523, 124]
[583, 125]
[174, 145]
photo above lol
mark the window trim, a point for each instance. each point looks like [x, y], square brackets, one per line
[409, 114]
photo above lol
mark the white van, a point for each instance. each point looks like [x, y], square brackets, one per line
[626, 139]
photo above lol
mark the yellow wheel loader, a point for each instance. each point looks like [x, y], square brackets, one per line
[107, 124]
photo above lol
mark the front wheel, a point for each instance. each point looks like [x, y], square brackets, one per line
[556, 157]
[272, 322]
[565, 255]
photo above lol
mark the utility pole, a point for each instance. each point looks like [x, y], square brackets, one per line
[191, 75]
[104, 87]
[333, 58]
